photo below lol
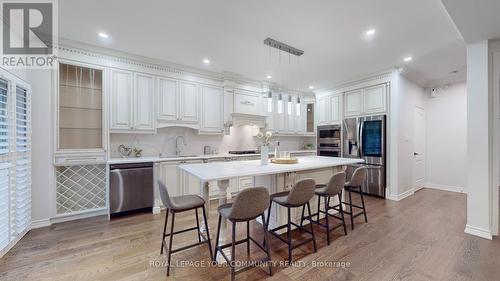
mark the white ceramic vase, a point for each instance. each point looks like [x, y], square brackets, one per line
[264, 155]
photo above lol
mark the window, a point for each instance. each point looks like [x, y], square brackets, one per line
[15, 160]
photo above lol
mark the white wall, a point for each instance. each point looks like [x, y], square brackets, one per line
[446, 133]
[410, 95]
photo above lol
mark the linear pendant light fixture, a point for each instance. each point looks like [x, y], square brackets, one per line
[283, 47]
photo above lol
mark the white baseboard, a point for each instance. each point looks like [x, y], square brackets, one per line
[445, 187]
[401, 196]
[157, 210]
[40, 223]
[477, 231]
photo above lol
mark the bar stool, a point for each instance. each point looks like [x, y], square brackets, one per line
[249, 204]
[178, 204]
[357, 179]
[297, 197]
[332, 189]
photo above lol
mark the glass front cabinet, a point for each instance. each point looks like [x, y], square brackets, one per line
[80, 111]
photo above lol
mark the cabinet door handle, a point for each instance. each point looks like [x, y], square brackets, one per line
[247, 103]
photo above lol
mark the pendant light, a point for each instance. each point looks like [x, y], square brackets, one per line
[289, 105]
[280, 104]
[297, 108]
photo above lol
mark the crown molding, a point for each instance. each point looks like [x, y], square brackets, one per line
[381, 75]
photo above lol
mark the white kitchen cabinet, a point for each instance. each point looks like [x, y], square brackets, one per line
[121, 99]
[374, 99]
[132, 102]
[168, 99]
[144, 102]
[189, 102]
[335, 109]
[247, 102]
[290, 113]
[170, 175]
[300, 117]
[323, 106]
[354, 103]
[212, 104]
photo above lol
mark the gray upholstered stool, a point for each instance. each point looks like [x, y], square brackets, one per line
[332, 189]
[297, 197]
[357, 179]
[249, 204]
[179, 204]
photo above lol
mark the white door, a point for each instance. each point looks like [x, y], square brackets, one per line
[374, 99]
[353, 103]
[419, 147]
[212, 108]
[121, 99]
[189, 102]
[144, 114]
[168, 95]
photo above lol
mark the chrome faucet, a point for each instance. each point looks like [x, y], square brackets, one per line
[177, 146]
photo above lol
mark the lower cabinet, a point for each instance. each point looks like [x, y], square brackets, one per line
[176, 184]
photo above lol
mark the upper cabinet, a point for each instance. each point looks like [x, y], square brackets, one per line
[132, 102]
[212, 109]
[370, 100]
[247, 102]
[189, 102]
[79, 114]
[168, 99]
[329, 109]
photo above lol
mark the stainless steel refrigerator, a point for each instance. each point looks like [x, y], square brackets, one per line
[364, 137]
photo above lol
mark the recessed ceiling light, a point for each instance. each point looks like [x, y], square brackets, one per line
[269, 77]
[103, 35]
[370, 32]
[206, 61]
[407, 59]
[311, 87]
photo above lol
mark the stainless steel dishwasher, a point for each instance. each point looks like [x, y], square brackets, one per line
[130, 188]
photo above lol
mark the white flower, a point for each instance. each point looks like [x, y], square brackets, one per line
[260, 135]
[269, 134]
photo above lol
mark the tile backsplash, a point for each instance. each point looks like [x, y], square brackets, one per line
[240, 138]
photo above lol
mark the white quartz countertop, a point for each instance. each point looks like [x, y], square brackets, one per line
[227, 170]
[194, 157]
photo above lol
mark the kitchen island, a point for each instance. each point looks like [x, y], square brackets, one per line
[275, 177]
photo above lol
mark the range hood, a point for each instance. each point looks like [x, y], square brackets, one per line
[240, 119]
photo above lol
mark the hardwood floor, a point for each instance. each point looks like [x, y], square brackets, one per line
[419, 238]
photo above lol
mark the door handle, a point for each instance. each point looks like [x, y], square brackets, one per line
[415, 154]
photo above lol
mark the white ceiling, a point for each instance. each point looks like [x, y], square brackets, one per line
[231, 34]
[477, 20]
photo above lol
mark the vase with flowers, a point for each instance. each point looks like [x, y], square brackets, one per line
[265, 142]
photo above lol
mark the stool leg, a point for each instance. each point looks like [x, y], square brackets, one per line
[208, 232]
[289, 234]
[266, 242]
[170, 243]
[312, 228]
[350, 209]
[363, 203]
[302, 217]
[233, 251]
[164, 232]
[327, 224]
[218, 236]
[197, 224]
[342, 214]
[266, 224]
[248, 237]
[318, 208]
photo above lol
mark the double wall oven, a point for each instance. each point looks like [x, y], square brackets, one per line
[329, 141]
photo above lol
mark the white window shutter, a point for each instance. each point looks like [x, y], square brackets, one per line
[4, 206]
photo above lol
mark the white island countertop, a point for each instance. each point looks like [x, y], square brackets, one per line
[228, 170]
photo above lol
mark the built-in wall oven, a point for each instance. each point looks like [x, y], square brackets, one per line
[329, 140]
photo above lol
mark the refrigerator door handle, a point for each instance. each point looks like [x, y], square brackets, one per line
[360, 139]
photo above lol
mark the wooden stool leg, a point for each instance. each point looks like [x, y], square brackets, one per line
[363, 203]
[312, 228]
[217, 239]
[170, 243]
[164, 233]
[208, 232]
[266, 243]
